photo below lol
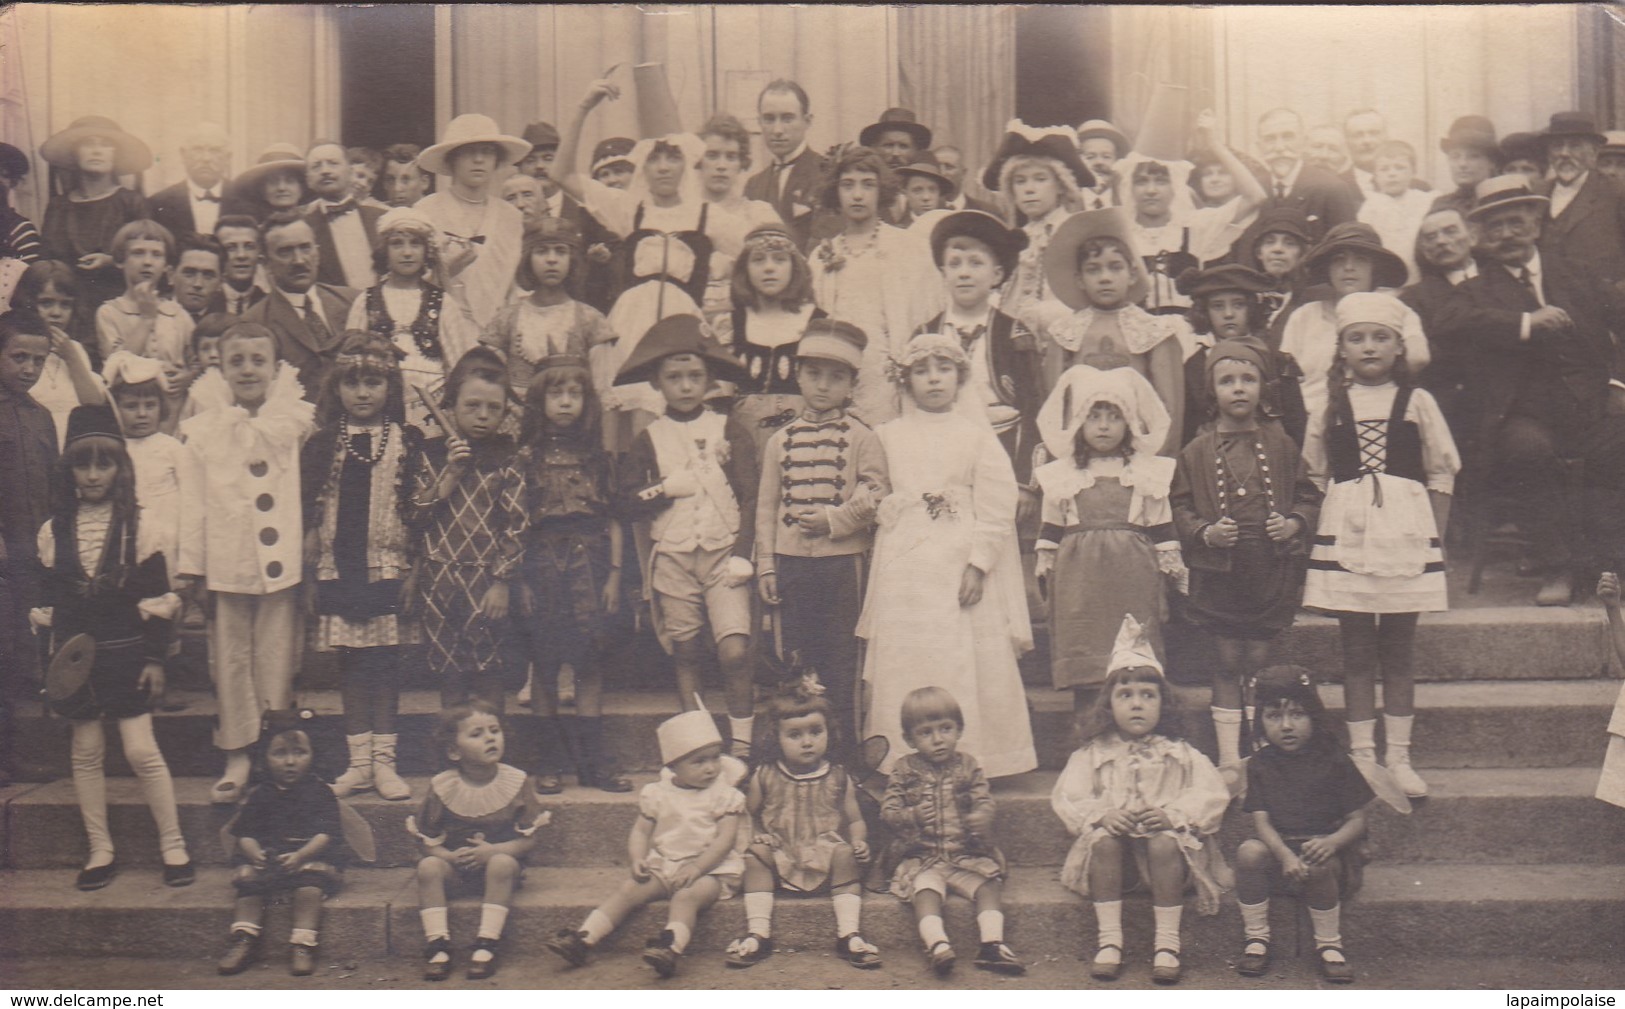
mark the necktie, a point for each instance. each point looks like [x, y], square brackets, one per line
[775, 180]
[319, 333]
[968, 335]
[339, 209]
[1280, 190]
[1527, 279]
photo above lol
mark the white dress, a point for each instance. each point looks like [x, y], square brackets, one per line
[888, 290]
[953, 503]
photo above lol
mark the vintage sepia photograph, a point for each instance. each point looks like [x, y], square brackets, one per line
[1019, 498]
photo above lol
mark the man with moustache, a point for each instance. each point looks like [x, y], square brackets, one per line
[344, 230]
[306, 315]
[1587, 224]
[790, 180]
[1325, 199]
[951, 161]
[192, 207]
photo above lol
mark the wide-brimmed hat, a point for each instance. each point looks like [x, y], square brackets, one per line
[1503, 191]
[1101, 128]
[471, 128]
[611, 150]
[538, 135]
[1523, 146]
[1473, 132]
[1055, 142]
[833, 340]
[281, 157]
[1228, 277]
[1614, 141]
[62, 149]
[1006, 242]
[1388, 270]
[678, 334]
[896, 119]
[926, 165]
[1061, 258]
[13, 162]
[1572, 124]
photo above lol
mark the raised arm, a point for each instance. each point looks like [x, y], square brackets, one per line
[572, 179]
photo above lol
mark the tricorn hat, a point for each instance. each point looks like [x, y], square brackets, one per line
[678, 334]
[1055, 142]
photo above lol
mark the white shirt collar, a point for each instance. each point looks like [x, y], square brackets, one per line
[1467, 271]
[197, 192]
[798, 152]
[1290, 180]
[953, 317]
[1557, 184]
[1533, 266]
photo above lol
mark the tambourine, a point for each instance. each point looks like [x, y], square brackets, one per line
[67, 680]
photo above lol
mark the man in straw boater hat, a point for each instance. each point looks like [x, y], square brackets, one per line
[480, 233]
[1102, 146]
[1586, 226]
[694, 475]
[1549, 383]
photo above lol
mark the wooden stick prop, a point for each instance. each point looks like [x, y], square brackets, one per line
[435, 412]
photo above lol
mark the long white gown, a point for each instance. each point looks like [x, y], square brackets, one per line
[953, 502]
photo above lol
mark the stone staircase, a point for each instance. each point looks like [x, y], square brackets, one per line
[1510, 852]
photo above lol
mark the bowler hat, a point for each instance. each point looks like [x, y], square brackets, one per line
[1006, 242]
[1473, 132]
[1523, 146]
[1573, 124]
[896, 119]
[539, 135]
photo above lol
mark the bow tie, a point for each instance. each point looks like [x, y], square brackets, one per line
[339, 209]
[969, 335]
[209, 197]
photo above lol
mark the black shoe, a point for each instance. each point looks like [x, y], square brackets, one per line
[180, 875]
[657, 953]
[95, 879]
[999, 958]
[243, 950]
[437, 970]
[1336, 971]
[479, 969]
[570, 945]
[855, 951]
[1254, 964]
[941, 957]
[739, 957]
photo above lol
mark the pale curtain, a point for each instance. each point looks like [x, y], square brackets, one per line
[1420, 66]
[264, 72]
[1160, 45]
[1601, 44]
[956, 70]
[841, 55]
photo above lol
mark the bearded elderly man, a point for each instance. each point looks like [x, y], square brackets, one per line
[1586, 227]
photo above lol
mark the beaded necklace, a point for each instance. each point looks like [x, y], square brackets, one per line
[378, 452]
[1225, 477]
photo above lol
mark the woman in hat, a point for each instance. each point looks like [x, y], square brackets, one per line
[19, 240]
[274, 182]
[81, 220]
[878, 277]
[1041, 177]
[1350, 259]
[428, 326]
[479, 232]
[1094, 269]
[668, 232]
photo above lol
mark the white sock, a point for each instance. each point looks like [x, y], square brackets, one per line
[1255, 919]
[679, 935]
[759, 913]
[597, 926]
[1363, 737]
[848, 912]
[302, 937]
[1109, 926]
[434, 923]
[492, 918]
[1227, 726]
[1167, 930]
[1327, 925]
[991, 925]
[1397, 728]
[740, 728]
[931, 930]
[246, 927]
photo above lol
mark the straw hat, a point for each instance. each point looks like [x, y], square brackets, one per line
[281, 157]
[1101, 128]
[62, 149]
[1061, 258]
[1503, 191]
[471, 128]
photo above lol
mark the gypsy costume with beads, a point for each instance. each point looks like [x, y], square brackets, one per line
[426, 326]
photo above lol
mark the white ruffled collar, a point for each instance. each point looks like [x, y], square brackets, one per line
[1150, 476]
[1141, 330]
[474, 801]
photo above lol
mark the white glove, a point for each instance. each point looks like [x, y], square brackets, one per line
[1044, 562]
[1171, 562]
[739, 572]
[680, 484]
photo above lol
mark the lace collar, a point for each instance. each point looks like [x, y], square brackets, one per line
[474, 801]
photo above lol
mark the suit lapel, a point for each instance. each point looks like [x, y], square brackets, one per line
[285, 317]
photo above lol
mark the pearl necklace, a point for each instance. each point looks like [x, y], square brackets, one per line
[378, 453]
[1226, 477]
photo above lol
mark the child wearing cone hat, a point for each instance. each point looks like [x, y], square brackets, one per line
[693, 475]
[681, 846]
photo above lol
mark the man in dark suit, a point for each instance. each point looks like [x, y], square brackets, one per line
[1547, 377]
[951, 160]
[345, 231]
[1325, 199]
[790, 180]
[192, 207]
[306, 316]
[1586, 228]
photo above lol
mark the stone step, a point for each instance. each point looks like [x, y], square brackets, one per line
[1502, 815]
[1556, 910]
[1556, 723]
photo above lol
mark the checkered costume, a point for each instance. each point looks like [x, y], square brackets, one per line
[470, 541]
